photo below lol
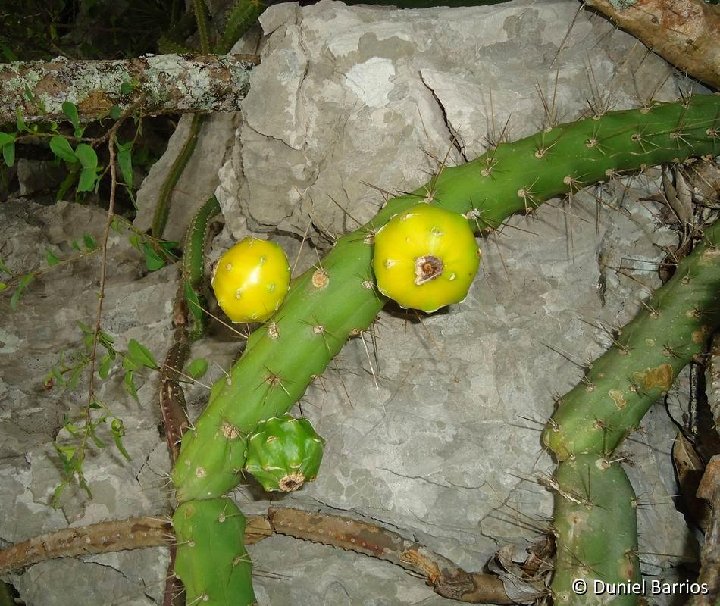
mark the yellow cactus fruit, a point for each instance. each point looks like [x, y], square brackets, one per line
[425, 258]
[251, 280]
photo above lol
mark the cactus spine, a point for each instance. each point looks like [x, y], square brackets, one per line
[596, 530]
[337, 299]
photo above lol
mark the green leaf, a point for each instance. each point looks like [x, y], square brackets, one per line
[51, 258]
[127, 87]
[22, 285]
[98, 442]
[66, 184]
[57, 493]
[141, 355]
[8, 152]
[134, 240]
[153, 260]
[90, 244]
[7, 144]
[71, 111]
[20, 123]
[168, 246]
[129, 364]
[106, 363]
[89, 161]
[66, 454]
[71, 428]
[4, 268]
[197, 368]
[115, 112]
[8, 53]
[75, 375]
[124, 157]
[129, 384]
[87, 156]
[118, 431]
[61, 148]
[88, 178]
[3, 286]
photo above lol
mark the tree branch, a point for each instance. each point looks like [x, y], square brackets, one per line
[155, 84]
[446, 578]
[684, 32]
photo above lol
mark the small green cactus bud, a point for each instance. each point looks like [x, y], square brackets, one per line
[284, 453]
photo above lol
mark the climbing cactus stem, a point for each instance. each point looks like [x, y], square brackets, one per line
[337, 298]
[211, 557]
[596, 535]
[620, 386]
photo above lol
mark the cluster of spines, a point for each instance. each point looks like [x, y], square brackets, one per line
[332, 302]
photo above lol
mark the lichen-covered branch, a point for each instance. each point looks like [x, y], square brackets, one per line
[153, 84]
[684, 32]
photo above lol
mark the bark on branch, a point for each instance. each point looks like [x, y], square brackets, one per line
[684, 32]
[446, 578]
[152, 84]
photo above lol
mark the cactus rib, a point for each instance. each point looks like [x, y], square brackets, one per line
[283, 356]
[622, 384]
[193, 267]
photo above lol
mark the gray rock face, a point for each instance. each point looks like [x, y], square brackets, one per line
[432, 426]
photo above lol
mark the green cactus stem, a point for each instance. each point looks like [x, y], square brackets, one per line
[596, 534]
[337, 298]
[211, 557]
[242, 15]
[193, 268]
[284, 453]
[644, 361]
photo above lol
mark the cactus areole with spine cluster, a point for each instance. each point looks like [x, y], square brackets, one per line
[425, 258]
[251, 280]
